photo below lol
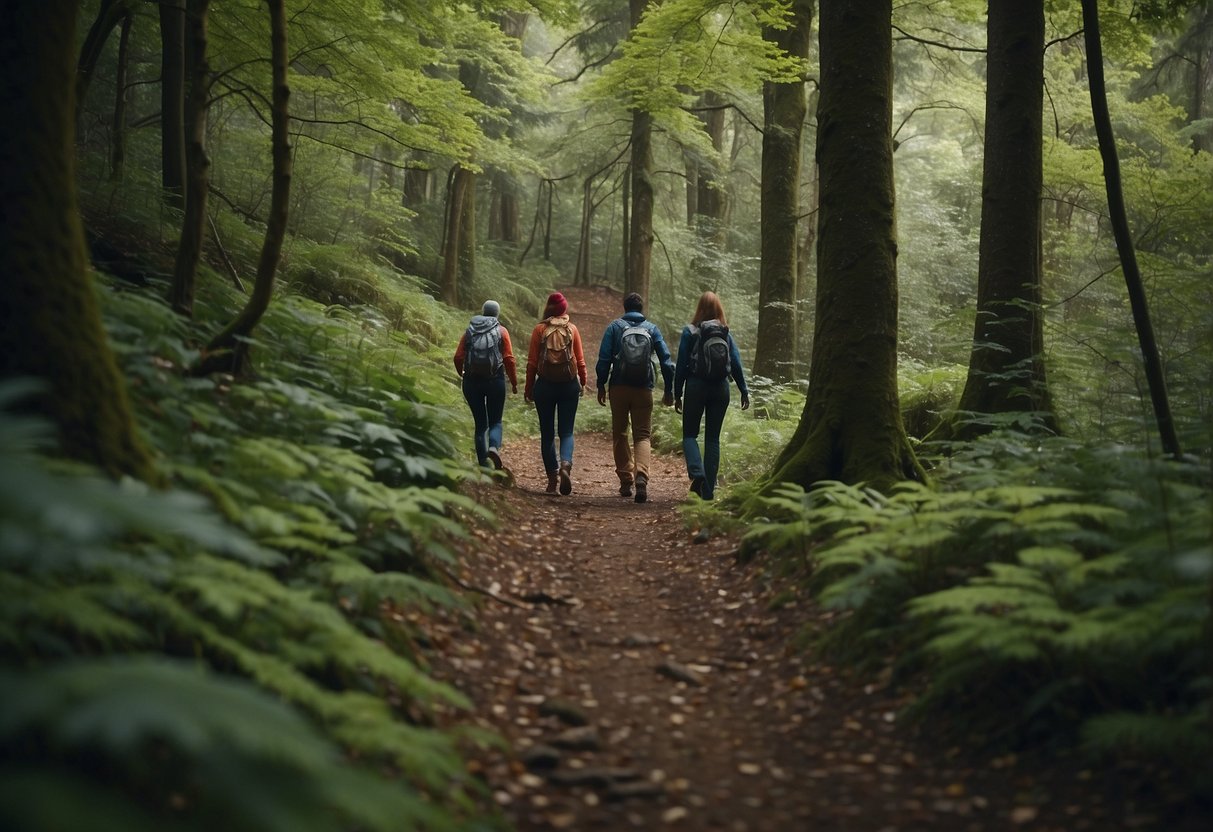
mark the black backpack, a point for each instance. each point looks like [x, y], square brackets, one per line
[482, 348]
[710, 356]
[634, 361]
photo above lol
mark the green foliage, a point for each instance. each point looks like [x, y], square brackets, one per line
[1048, 590]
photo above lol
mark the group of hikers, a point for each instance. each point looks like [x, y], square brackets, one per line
[696, 383]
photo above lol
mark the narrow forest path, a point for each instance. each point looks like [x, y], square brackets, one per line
[647, 681]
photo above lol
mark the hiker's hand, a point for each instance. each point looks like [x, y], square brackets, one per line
[515, 386]
[602, 396]
[527, 398]
[745, 401]
[677, 405]
[667, 399]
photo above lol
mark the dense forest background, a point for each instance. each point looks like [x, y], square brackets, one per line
[222, 514]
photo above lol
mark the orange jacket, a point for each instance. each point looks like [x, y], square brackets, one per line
[507, 356]
[532, 356]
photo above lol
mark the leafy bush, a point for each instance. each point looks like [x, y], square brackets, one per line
[1044, 587]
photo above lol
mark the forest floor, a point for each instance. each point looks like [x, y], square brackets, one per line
[645, 678]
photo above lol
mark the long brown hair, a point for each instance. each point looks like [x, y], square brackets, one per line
[708, 309]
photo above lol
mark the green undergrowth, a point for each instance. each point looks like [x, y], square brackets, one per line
[235, 652]
[1040, 593]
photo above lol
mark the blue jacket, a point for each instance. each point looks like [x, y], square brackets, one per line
[683, 369]
[611, 339]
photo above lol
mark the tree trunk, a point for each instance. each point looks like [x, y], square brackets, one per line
[851, 427]
[416, 187]
[1006, 364]
[172, 101]
[118, 140]
[229, 349]
[449, 282]
[50, 322]
[467, 237]
[784, 111]
[193, 226]
[711, 198]
[640, 233]
[1120, 230]
[581, 274]
[110, 14]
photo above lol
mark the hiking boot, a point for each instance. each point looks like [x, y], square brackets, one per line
[697, 486]
[494, 457]
[551, 482]
[566, 480]
[642, 489]
[625, 489]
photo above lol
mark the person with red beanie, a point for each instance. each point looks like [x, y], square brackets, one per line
[555, 378]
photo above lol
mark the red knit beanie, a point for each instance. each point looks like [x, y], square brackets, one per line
[557, 305]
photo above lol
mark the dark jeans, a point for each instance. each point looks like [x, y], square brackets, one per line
[556, 406]
[486, 398]
[704, 401]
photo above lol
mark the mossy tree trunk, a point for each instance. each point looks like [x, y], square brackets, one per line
[467, 237]
[784, 110]
[197, 164]
[851, 427]
[172, 101]
[456, 192]
[1006, 365]
[50, 322]
[229, 349]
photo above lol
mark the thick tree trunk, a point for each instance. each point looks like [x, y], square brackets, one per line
[229, 350]
[639, 245]
[50, 322]
[1006, 365]
[784, 109]
[710, 197]
[118, 130]
[851, 427]
[172, 101]
[1120, 230]
[193, 226]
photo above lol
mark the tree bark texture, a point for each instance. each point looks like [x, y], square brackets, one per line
[1006, 364]
[467, 237]
[784, 109]
[1120, 230]
[118, 129]
[197, 163]
[639, 244]
[50, 322]
[229, 347]
[851, 428]
[448, 283]
[172, 101]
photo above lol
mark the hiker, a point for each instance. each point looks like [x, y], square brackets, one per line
[625, 365]
[483, 359]
[555, 378]
[707, 358]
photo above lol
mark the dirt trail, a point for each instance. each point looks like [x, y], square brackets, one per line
[645, 680]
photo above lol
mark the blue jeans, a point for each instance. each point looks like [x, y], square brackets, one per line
[486, 398]
[556, 406]
[704, 401]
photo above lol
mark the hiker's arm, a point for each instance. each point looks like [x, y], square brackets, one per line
[682, 367]
[667, 363]
[606, 354]
[738, 373]
[532, 362]
[507, 358]
[460, 353]
[579, 357]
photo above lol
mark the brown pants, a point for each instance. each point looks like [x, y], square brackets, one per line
[635, 404]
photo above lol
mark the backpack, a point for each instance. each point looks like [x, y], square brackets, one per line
[710, 357]
[634, 361]
[482, 348]
[556, 351]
